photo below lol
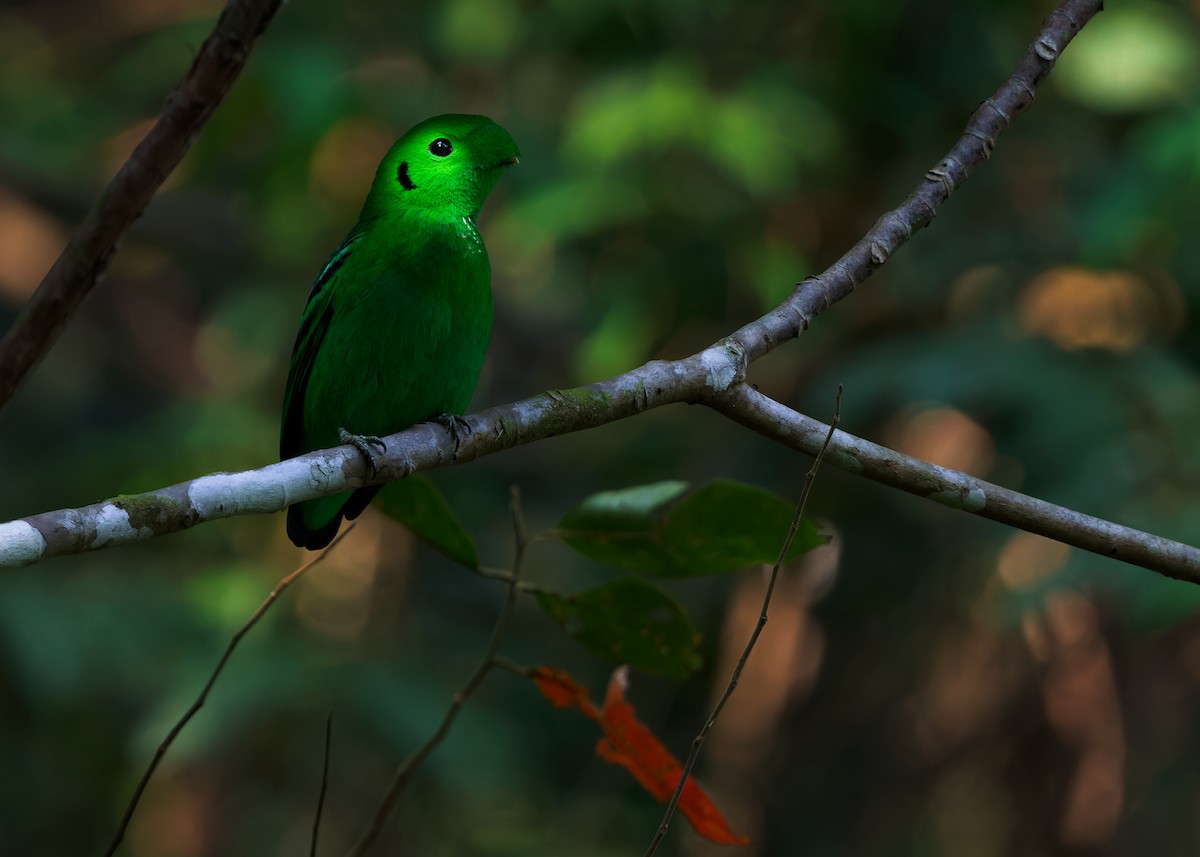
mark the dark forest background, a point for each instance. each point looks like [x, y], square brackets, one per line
[930, 684]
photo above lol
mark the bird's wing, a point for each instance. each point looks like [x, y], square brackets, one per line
[314, 324]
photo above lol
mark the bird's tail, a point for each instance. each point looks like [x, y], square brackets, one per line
[313, 523]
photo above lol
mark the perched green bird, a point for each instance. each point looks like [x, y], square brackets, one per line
[398, 321]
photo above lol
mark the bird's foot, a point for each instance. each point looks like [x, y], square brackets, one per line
[363, 443]
[458, 427]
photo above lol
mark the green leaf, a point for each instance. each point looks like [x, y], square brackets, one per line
[628, 508]
[630, 621]
[728, 525]
[416, 504]
[723, 527]
[619, 528]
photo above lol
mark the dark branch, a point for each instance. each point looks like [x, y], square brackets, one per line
[188, 109]
[896, 227]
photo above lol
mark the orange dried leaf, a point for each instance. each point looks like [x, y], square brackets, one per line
[628, 743]
[706, 819]
[563, 691]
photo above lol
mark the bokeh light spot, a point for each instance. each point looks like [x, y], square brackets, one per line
[1081, 308]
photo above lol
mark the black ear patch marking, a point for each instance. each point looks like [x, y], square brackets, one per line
[402, 175]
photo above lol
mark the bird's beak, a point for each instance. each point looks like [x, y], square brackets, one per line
[509, 162]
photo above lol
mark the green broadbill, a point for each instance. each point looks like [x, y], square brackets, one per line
[398, 321]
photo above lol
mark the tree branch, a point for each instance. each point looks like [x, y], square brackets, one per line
[897, 226]
[958, 490]
[137, 517]
[702, 377]
[188, 109]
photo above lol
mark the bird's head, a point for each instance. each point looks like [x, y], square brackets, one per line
[446, 162]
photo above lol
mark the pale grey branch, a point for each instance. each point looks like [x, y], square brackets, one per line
[958, 490]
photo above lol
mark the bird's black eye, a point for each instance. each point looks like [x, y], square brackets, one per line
[441, 147]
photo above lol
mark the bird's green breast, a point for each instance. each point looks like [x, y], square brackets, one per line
[411, 315]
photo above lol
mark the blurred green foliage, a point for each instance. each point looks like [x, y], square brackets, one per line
[929, 684]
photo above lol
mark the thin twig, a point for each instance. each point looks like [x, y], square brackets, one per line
[409, 766]
[312, 851]
[512, 667]
[506, 576]
[758, 628]
[212, 679]
[189, 107]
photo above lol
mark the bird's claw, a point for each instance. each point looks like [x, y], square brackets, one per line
[458, 427]
[363, 443]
